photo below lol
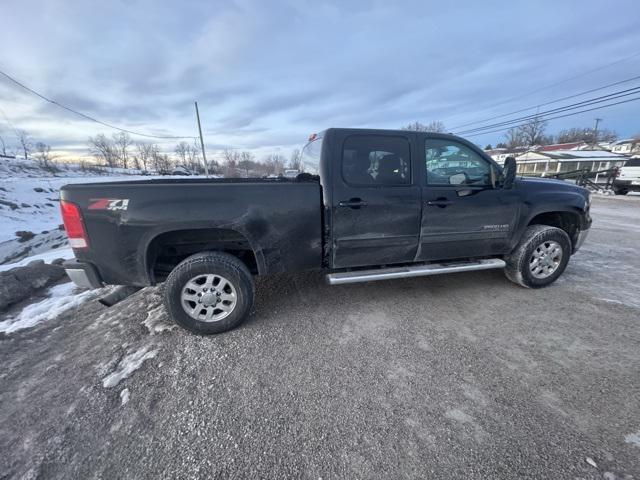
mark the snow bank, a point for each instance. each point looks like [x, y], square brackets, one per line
[48, 257]
[29, 202]
[60, 299]
[128, 365]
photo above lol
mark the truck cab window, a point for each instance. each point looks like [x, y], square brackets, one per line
[452, 163]
[310, 156]
[376, 160]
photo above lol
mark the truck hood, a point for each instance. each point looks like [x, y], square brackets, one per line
[552, 185]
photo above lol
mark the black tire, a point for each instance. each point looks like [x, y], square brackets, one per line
[217, 263]
[620, 191]
[518, 262]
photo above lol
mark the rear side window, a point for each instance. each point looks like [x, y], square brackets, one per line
[310, 157]
[634, 162]
[376, 160]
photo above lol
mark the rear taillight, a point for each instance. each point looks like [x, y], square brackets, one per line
[73, 224]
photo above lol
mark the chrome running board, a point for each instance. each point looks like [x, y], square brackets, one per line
[413, 271]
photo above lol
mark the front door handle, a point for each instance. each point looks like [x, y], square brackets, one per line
[353, 203]
[439, 203]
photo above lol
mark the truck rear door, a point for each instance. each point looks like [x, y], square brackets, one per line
[376, 206]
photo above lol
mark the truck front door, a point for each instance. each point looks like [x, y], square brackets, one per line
[376, 206]
[464, 213]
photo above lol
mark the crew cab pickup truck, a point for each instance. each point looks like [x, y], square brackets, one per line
[368, 205]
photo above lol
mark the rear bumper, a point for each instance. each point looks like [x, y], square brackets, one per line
[83, 274]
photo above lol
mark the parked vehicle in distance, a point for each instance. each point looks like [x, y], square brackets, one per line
[181, 170]
[290, 173]
[369, 205]
[628, 179]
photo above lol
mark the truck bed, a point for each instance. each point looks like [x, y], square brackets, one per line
[127, 221]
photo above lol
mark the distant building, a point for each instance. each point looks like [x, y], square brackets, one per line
[544, 163]
[626, 147]
[501, 154]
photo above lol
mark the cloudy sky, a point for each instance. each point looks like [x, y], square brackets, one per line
[267, 73]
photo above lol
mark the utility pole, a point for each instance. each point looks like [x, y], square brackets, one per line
[595, 131]
[204, 155]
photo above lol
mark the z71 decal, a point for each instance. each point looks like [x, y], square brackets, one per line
[108, 203]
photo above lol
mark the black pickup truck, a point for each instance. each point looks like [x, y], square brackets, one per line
[368, 205]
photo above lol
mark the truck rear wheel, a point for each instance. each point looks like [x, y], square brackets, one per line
[540, 257]
[210, 292]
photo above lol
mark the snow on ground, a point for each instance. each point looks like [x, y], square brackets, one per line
[29, 202]
[60, 298]
[124, 396]
[158, 321]
[128, 365]
[633, 439]
[48, 257]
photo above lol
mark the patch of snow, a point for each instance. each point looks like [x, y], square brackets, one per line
[633, 439]
[48, 257]
[60, 299]
[29, 201]
[128, 365]
[157, 320]
[124, 396]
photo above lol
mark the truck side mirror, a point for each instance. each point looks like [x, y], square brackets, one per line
[510, 168]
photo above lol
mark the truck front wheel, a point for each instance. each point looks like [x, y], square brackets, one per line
[210, 292]
[540, 257]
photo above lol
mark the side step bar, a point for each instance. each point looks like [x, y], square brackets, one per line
[413, 271]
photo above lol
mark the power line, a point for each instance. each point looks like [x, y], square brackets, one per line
[562, 116]
[547, 103]
[560, 82]
[573, 106]
[85, 116]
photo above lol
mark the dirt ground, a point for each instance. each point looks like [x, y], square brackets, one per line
[456, 376]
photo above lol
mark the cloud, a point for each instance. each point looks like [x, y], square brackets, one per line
[266, 74]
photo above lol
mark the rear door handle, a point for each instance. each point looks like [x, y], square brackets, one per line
[353, 203]
[439, 203]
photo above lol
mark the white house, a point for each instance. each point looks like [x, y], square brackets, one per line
[627, 147]
[544, 163]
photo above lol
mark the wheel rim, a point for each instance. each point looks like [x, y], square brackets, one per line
[545, 259]
[208, 298]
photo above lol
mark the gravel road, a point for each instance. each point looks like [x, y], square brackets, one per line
[456, 376]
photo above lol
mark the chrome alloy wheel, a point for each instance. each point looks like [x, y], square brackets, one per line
[545, 259]
[208, 298]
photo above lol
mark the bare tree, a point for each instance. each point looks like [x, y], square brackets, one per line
[247, 162]
[160, 161]
[584, 134]
[274, 164]
[193, 155]
[532, 132]
[44, 157]
[295, 161]
[122, 142]
[231, 159]
[182, 151]
[514, 138]
[145, 153]
[26, 142]
[103, 149]
[435, 126]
